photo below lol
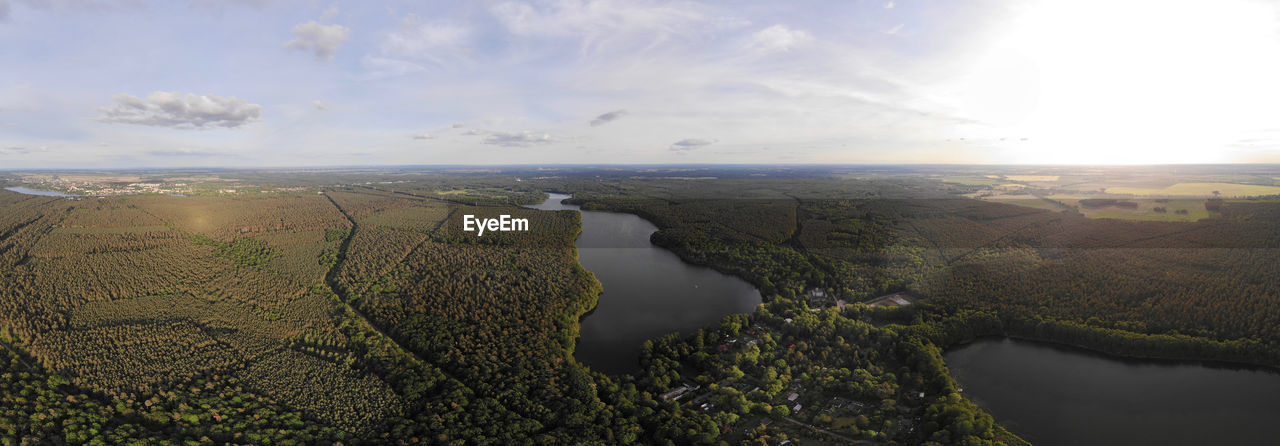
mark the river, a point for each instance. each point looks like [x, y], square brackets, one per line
[1054, 395]
[648, 291]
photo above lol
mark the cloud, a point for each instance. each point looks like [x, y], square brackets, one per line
[180, 111]
[424, 135]
[218, 5]
[320, 105]
[779, 38]
[13, 150]
[608, 117]
[686, 145]
[329, 14]
[324, 40]
[4, 10]
[434, 42]
[415, 46]
[604, 26]
[195, 153]
[72, 6]
[517, 139]
[889, 5]
[895, 29]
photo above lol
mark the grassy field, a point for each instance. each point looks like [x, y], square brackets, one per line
[971, 181]
[1041, 178]
[1146, 210]
[1200, 190]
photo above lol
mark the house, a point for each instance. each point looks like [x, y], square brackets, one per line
[793, 396]
[677, 392]
[891, 300]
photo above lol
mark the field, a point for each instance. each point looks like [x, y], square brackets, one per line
[1200, 190]
[1151, 210]
[1173, 209]
[1032, 178]
[971, 181]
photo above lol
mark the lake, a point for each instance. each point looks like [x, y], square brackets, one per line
[648, 291]
[1055, 395]
[47, 193]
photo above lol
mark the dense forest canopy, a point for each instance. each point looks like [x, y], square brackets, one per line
[350, 307]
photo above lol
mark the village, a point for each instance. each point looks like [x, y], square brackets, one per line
[801, 412]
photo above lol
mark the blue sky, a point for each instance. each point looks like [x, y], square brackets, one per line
[135, 83]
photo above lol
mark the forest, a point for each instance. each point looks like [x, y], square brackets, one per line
[351, 308]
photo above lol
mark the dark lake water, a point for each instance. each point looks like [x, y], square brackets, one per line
[1053, 395]
[47, 193]
[648, 291]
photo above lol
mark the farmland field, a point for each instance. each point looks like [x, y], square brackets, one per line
[1200, 190]
[1032, 178]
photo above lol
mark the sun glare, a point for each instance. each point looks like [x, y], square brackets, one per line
[1130, 82]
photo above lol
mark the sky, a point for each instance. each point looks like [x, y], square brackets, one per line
[278, 83]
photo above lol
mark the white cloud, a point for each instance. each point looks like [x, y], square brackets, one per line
[686, 145]
[779, 38]
[424, 135]
[320, 105]
[182, 111]
[888, 5]
[4, 10]
[608, 117]
[324, 40]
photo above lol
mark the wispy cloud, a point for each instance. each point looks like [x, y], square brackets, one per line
[603, 26]
[689, 144]
[186, 153]
[416, 41]
[608, 117]
[329, 14]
